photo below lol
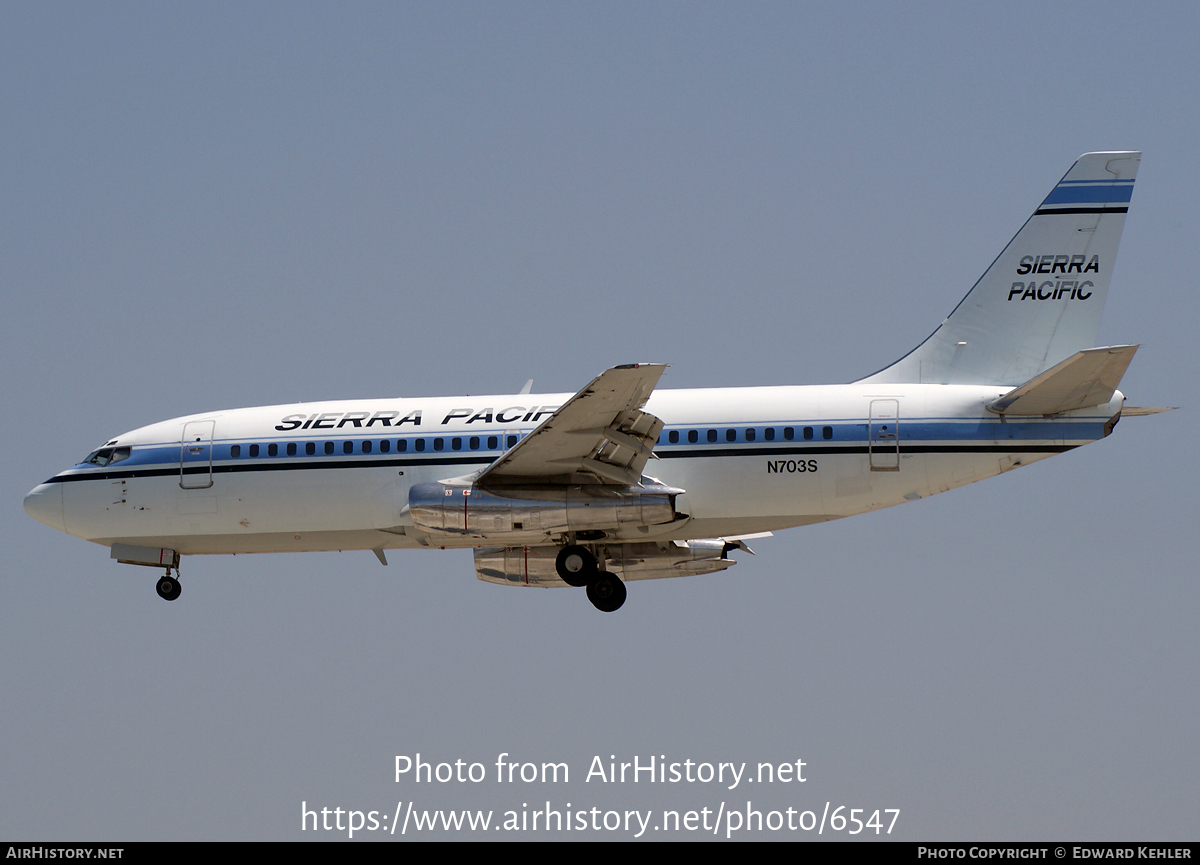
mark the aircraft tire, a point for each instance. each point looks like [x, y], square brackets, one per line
[606, 591]
[575, 565]
[168, 588]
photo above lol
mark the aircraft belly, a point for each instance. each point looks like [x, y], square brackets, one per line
[949, 471]
[346, 508]
[269, 542]
[310, 501]
[141, 510]
[738, 488]
[737, 495]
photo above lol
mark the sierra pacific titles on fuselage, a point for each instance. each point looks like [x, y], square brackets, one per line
[387, 418]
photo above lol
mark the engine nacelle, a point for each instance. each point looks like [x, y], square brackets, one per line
[534, 566]
[536, 513]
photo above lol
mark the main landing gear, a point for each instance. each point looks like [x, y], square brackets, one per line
[606, 592]
[168, 587]
[577, 567]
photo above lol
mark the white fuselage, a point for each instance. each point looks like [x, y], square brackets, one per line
[750, 460]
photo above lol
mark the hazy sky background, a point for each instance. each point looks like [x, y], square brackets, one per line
[221, 205]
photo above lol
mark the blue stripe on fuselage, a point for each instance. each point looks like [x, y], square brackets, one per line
[923, 431]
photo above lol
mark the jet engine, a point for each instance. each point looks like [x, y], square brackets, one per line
[536, 512]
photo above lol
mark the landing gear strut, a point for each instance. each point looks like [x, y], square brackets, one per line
[168, 587]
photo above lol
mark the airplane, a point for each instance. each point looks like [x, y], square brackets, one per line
[622, 481]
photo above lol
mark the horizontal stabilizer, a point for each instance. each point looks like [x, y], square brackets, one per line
[1086, 378]
[1143, 410]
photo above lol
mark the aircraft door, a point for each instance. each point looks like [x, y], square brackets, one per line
[195, 455]
[883, 435]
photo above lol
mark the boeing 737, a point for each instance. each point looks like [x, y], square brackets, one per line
[622, 481]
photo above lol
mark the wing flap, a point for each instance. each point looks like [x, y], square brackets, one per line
[600, 433]
[1086, 378]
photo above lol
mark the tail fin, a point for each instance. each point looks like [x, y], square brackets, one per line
[1040, 301]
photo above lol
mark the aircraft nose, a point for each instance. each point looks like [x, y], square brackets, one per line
[45, 504]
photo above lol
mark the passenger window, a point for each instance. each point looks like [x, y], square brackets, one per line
[826, 432]
[235, 451]
[438, 444]
[310, 448]
[366, 447]
[712, 435]
[401, 445]
[291, 449]
[693, 436]
[789, 433]
[272, 450]
[769, 433]
[673, 436]
[493, 443]
[385, 447]
[730, 435]
[456, 444]
[347, 447]
[420, 444]
[512, 440]
[253, 450]
[807, 433]
[749, 435]
[474, 442]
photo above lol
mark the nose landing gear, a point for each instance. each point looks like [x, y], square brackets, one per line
[168, 587]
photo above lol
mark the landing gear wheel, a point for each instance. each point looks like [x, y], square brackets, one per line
[168, 588]
[606, 592]
[575, 565]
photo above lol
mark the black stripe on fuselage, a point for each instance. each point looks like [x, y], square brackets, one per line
[822, 450]
[701, 453]
[268, 467]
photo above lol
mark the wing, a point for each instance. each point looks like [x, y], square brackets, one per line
[600, 436]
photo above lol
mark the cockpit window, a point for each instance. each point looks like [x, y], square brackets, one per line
[107, 456]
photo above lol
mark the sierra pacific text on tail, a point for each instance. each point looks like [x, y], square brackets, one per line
[560, 490]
